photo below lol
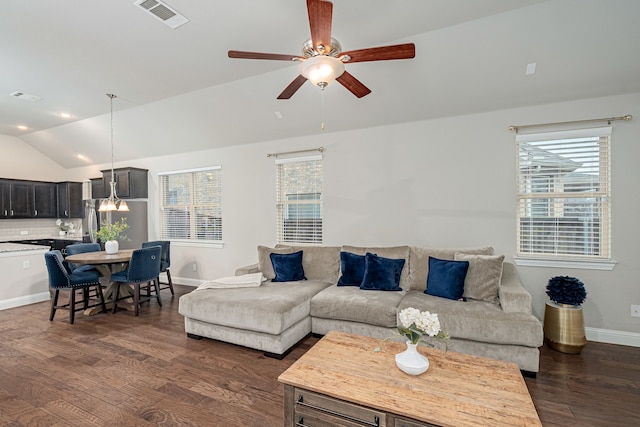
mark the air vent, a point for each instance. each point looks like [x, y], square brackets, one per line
[25, 96]
[163, 12]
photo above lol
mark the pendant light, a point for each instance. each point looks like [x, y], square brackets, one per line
[113, 203]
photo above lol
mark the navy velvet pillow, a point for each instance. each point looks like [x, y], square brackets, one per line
[288, 267]
[446, 278]
[382, 274]
[352, 267]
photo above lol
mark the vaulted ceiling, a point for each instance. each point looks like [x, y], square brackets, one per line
[178, 91]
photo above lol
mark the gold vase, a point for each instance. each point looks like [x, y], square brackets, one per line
[564, 327]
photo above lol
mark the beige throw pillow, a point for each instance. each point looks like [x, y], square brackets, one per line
[483, 277]
[264, 259]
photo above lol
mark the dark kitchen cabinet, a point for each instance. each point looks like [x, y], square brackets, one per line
[20, 199]
[5, 199]
[97, 188]
[69, 200]
[131, 183]
[45, 200]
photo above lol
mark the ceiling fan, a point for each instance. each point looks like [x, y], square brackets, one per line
[323, 60]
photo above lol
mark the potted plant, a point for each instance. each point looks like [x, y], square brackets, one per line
[109, 234]
[563, 317]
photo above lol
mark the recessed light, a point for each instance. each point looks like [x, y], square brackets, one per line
[278, 114]
[531, 68]
[65, 115]
[81, 156]
[22, 127]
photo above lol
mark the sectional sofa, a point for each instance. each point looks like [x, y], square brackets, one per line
[492, 317]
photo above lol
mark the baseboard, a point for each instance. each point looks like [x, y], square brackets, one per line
[609, 336]
[187, 281]
[25, 300]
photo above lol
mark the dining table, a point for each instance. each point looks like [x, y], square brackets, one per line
[106, 264]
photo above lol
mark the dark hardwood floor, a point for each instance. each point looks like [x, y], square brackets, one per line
[119, 370]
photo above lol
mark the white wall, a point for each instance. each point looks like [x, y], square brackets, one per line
[443, 182]
[20, 161]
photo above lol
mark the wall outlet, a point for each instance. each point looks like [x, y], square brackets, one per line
[26, 264]
[635, 311]
[195, 267]
[24, 233]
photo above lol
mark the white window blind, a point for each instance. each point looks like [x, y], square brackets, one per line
[191, 205]
[299, 200]
[563, 194]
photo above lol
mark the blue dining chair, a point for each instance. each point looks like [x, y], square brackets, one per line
[81, 248]
[61, 278]
[165, 262]
[143, 271]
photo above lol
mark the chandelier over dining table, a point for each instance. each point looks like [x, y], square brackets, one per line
[113, 203]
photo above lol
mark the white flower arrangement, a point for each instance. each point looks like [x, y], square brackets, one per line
[65, 226]
[415, 324]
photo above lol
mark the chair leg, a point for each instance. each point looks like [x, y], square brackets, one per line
[72, 305]
[101, 296]
[170, 282]
[85, 296]
[115, 297]
[136, 298]
[156, 285]
[54, 303]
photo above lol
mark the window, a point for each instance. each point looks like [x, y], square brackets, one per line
[563, 194]
[191, 205]
[299, 200]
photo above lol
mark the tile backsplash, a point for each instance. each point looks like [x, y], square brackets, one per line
[13, 229]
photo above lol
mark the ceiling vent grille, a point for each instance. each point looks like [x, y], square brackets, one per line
[163, 12]
[25, 96]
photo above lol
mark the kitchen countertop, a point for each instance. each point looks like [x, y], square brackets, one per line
[6, 248]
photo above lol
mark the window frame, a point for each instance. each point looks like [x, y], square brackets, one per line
[286, 205]
[193, 208]
[564, 201]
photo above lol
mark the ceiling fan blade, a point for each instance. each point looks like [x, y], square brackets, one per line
[353, 85]
[293, 87]
[259, 55]
[382, 53]
[320, 14]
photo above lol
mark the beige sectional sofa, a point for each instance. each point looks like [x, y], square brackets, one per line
[276, 315]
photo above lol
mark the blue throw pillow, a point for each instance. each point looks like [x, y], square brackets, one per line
[288, 267]
[352, 267]
[382, 274]
[446, 278]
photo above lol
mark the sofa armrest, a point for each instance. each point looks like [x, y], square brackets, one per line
[514, 298]
[248, 269]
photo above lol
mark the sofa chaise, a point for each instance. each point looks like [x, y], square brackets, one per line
[492, 318]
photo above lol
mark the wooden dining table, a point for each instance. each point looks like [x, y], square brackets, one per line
[106, 264]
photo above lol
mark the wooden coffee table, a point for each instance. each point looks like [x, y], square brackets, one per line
[342, 381]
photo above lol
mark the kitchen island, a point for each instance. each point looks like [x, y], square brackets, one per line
[25, 279]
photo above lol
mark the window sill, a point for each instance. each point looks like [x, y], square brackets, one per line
[198, 244]
[557, 263]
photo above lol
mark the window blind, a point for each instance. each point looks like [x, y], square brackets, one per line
[191, 204]
[299, 200]
[563, 194]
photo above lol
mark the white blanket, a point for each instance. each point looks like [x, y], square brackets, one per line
[245, 281]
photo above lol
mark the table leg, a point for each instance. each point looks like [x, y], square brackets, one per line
[126, 290]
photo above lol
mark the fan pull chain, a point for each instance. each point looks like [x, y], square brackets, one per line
[322, 127]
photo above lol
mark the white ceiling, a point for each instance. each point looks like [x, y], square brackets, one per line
[178, 91]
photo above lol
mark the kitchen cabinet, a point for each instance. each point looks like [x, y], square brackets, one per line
[69, 200]
[131, 183]
[5, 198]
[20, 199]
[45, 200]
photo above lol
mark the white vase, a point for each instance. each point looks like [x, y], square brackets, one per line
[62, 233]
[411, 361]
[111, 247]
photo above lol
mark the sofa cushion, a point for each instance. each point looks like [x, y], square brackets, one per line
[264, 259]
[419, 261]
[270, 308]
[478, 320]
[484, 275]
[352, 269]
[394, 252]
[287, 267]
[446, 278]
[382, 274]
[319, 262]
[355, 305]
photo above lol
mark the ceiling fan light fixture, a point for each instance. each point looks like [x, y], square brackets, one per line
[322, 70]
